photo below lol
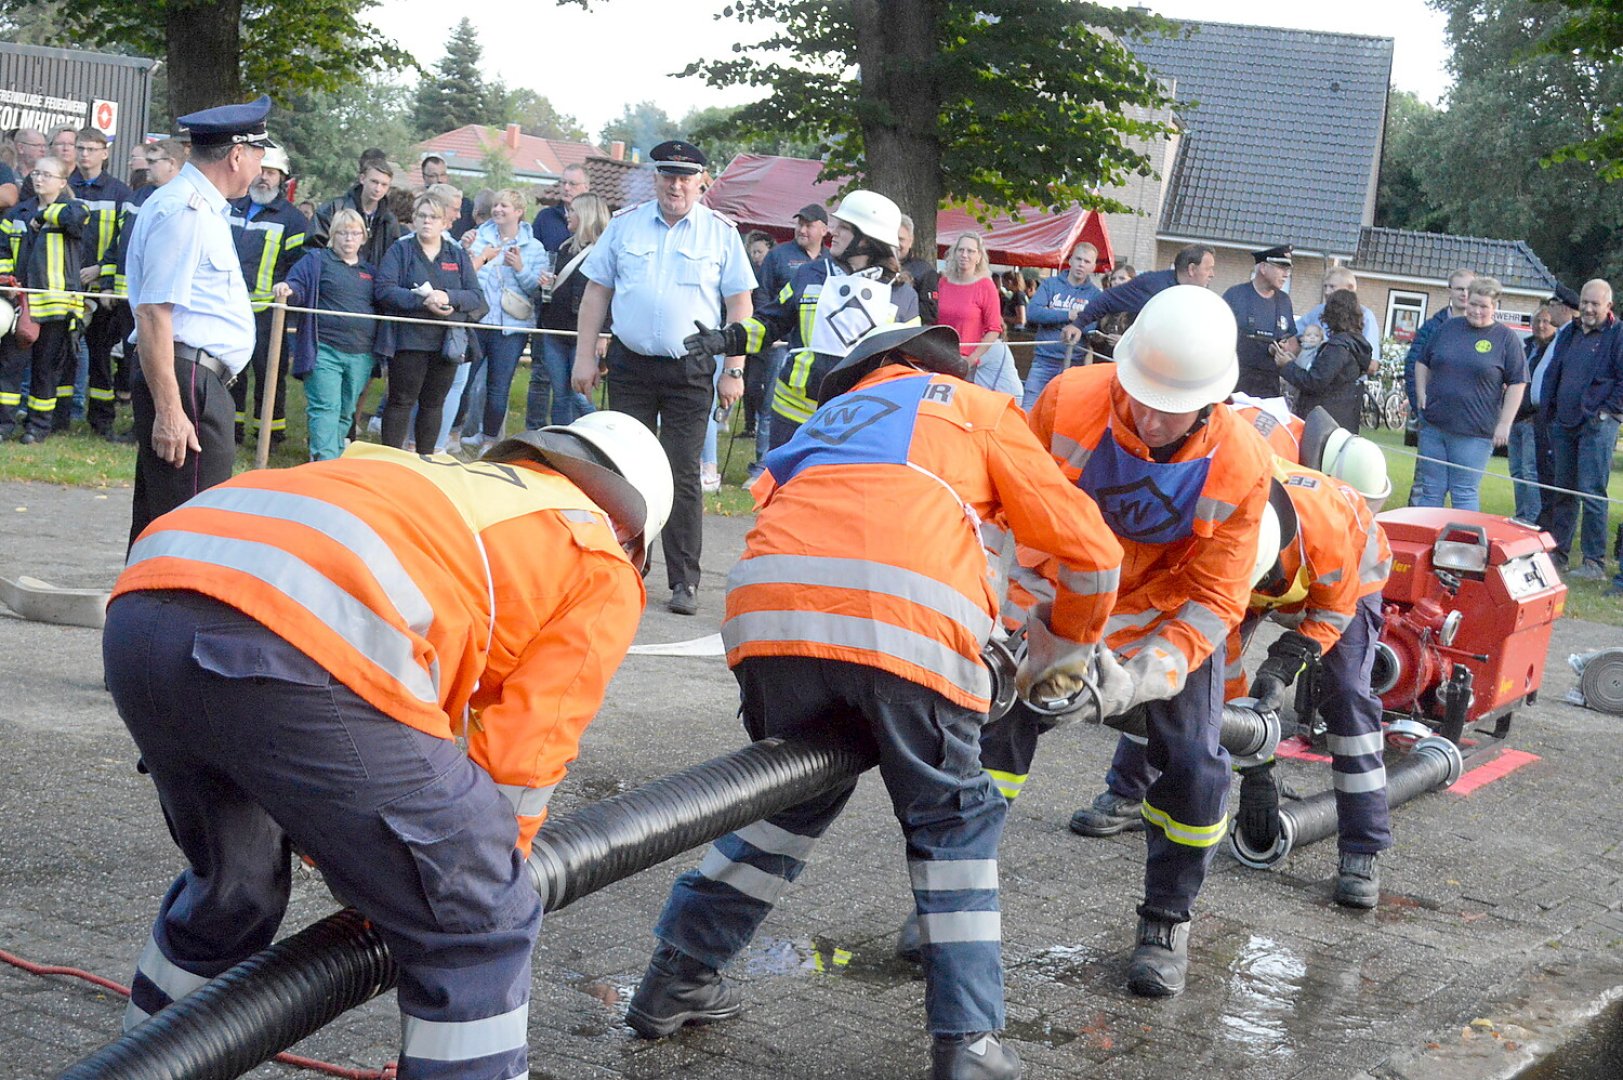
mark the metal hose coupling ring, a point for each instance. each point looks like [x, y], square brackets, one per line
[1259, 747]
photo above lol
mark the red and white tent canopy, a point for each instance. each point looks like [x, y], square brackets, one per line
[763, 192]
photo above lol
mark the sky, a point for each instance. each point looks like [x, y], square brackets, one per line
[567, 54]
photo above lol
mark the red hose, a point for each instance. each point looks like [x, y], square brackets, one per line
[385, 1073]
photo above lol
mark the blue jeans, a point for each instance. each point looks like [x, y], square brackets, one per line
[487, 414]
[1583, 462]
[763, 419]
[707, 455]
[1524, 467]
[1465, 456]
[331, 393]
[553, 373]
[453, 402]
[1042, 371]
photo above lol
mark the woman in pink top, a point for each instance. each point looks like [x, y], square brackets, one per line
[968, 302]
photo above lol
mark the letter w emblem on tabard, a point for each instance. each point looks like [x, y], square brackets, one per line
[1138, 510]
[842, 419]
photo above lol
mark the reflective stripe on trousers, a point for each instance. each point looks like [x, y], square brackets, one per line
[949, 811]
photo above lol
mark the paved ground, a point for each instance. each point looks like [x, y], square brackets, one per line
[1500, 927]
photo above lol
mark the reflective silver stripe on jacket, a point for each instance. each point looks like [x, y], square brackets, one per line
[1329, 579]
[527, 801]
[339, 525]
[1213, 510]
[866, 576]
[947, 875]
[849, 631]
[1356, 745]
[362, 628]
[1208, 623]
[944, 927]
[1117, 623]
[1090, 582]
[767, 837]
[752, 881]
[443, 1040]
[1074, 453]
[1356, 783]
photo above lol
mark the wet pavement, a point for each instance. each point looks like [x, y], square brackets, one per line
[1500, 930]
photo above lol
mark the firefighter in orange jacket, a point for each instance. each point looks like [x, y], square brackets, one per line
[298, 655]
[1325, 587]
[1182, 482]
[859, 611]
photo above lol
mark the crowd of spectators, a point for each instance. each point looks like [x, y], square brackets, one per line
[1553, 401]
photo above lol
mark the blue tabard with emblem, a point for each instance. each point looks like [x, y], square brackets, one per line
[870, 426]
[1144, 501]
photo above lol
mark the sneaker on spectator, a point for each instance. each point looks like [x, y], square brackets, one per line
[1589, 571]
[374, 426]
[709, 478]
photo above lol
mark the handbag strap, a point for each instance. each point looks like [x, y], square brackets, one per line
[569, 267]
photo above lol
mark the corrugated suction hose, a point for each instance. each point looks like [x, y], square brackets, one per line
[291, 990]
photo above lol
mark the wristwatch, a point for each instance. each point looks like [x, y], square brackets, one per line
[734, 372]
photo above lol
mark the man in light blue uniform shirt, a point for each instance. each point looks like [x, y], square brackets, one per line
[193, 319]
[1057, 298]
[663, 267]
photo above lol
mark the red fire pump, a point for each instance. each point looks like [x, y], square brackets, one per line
[1470, 606]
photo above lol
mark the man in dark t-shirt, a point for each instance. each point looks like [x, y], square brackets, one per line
[1267, 322]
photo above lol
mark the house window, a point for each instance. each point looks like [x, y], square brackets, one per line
[1405, 311]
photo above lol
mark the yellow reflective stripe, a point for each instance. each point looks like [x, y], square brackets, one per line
[97, 394]
[1008, 784]
[754, 335]
[789, 395]
[1180, 833]
[43, 404]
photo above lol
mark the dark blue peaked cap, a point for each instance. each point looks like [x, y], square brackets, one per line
[230, 124]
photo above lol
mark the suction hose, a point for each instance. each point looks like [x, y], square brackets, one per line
[1249, 734]
[291, 990]
[1434, 762]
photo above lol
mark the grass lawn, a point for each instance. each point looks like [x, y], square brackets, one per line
[80, 459]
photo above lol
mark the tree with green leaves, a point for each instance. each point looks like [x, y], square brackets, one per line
[986, 104]
[1401, 201]
[720, 150]
[535, 115]
[1489, 169]
[455, 92]
[325, 133]
[642, 126]
[1592, 37]
[219, 51]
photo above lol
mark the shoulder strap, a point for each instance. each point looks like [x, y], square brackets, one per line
[569, 267]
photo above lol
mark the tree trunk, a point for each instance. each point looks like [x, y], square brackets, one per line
[204, 55]
[899, 105]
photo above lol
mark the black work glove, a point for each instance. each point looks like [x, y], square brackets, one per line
[1259, 807]
[1288, 657]
[723, 341]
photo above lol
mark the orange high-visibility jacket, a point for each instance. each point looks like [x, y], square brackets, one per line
[1339, 556]
[881, 563]
[375, 565]
[1285, 439]
[1179, 600]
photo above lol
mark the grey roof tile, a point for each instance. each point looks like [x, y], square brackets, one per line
[1433, 256]
[1281, 132]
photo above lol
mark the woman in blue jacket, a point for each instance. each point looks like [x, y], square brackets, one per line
[511, 263]
[332, 355]
[426, 276]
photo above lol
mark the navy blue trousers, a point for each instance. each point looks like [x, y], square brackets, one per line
[949, 811]
[1352, 716]
[252, 747]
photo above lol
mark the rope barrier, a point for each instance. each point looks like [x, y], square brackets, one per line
[1406, 452]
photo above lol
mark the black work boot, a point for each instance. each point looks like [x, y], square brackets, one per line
[1161, 961]
[1358, 880]
[1108, 815]
[980, 1056]
[909, 941]
[677, 990]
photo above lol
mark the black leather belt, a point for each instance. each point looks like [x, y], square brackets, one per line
[206, 360]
